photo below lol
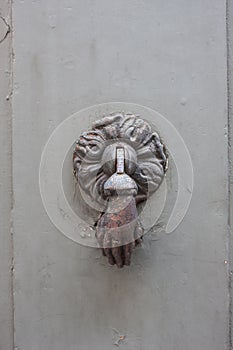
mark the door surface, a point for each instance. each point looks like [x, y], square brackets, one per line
[69, 55]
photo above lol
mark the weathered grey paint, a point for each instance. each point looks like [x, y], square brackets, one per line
[171, 57]
[6, 306]
[230, 140]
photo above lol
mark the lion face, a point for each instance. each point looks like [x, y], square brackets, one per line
[94, 155]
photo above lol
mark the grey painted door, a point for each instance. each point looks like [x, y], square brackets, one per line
[68, 55]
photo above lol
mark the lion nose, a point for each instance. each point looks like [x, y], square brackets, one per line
[120, 183]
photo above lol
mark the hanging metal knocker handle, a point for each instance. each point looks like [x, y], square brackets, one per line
[119, 163]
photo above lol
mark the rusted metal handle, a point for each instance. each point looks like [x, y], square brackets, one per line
[119, 163]
[118, 230]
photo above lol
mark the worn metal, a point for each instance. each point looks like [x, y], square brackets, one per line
[119, 163]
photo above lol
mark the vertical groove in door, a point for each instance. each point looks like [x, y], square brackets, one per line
[229, 23]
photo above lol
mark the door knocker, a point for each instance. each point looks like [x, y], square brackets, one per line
[119, 163]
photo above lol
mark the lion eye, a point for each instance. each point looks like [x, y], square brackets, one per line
[94, 148]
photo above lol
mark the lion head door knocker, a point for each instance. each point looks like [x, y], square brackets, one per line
[119, 163]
